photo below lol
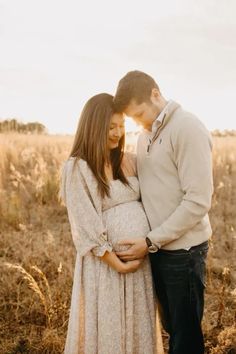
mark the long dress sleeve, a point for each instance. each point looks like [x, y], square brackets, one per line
[84, 208]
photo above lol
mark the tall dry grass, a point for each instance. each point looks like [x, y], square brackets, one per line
[37, 255]
[220, 313]
[30, 166]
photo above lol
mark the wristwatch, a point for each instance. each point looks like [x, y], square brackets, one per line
[152, 248]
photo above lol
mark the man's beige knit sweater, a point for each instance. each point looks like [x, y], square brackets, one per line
[175, 174]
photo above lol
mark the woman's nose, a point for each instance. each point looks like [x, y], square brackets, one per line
[117, 132]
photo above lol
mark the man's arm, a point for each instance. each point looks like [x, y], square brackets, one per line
[138, 249]
[193, 157]
[192, 153]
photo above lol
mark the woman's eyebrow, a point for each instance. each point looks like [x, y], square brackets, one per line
[117, 123]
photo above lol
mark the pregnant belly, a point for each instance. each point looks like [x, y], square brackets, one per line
[125, 221]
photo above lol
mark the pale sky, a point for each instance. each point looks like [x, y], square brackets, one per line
[55, 55]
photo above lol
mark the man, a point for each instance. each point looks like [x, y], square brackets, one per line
[175, 173]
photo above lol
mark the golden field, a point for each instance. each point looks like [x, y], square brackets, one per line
[37, 254]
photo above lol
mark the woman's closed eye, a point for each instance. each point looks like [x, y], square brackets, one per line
[117, 127]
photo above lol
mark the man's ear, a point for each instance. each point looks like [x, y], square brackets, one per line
[155, 95]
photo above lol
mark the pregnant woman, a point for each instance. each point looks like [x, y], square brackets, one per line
[113, 309]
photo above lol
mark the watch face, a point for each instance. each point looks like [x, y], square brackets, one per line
[152, 248]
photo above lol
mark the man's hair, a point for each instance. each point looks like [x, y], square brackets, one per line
[135, 85]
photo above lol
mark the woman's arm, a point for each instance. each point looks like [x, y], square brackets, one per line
[88, 231]
[121, 267]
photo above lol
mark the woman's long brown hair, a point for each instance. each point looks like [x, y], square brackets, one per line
[91, 141]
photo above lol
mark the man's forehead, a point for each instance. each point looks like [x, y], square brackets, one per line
[133, 103]
[134, 106]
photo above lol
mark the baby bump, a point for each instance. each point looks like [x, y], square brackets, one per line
[125, 221]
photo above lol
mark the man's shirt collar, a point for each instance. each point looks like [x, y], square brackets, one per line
[157, 122]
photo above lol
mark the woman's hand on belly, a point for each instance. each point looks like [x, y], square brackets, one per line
[131, 266]
[114, 262]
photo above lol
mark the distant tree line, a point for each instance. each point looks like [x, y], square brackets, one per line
[225, 132]
[12, 125]
[216, 132]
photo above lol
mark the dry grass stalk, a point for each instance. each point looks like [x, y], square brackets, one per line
[45, 281]
[33, 285]
[222, 294]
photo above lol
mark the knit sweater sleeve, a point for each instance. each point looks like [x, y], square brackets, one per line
[192, 147]
[87, 229]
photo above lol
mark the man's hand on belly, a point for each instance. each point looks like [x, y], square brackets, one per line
[138, 249]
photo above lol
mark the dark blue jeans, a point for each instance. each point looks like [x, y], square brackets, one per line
[179, 278]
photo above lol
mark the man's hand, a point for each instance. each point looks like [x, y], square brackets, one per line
[137, 250]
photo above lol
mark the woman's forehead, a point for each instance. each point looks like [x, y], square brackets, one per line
[117, 118]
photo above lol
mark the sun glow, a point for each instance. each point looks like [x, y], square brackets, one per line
[130, 125]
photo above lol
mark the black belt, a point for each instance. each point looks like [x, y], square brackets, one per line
[193, 248]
